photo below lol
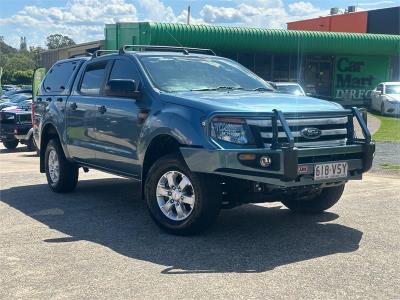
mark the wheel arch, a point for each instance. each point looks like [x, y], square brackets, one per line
[159, 146]
[49, 132]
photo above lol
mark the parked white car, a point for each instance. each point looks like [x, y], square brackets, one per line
[385, 98]
[289, 88]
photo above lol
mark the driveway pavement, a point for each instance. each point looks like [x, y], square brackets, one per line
[99, 242]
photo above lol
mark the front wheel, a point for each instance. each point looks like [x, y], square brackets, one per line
[316, 203]
[62, 175]
[179, 201]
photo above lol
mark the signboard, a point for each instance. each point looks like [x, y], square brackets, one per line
[38, 76]
[356, 76]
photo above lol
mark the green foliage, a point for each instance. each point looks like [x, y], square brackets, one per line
[56, 41]
[389, 131]
[17, 65]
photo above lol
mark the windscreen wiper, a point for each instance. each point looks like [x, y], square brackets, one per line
[263, 89]
[218, 88]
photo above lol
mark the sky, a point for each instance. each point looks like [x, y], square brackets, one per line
[83, 20]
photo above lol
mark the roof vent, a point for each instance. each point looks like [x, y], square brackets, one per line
[334, 10]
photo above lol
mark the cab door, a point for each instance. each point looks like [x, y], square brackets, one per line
[81, 112]
[117, 124]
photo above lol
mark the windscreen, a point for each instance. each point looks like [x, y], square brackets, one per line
[177, 74]
[393, 89]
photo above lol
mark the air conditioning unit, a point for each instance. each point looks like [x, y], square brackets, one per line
[334, 10]
[351, 9]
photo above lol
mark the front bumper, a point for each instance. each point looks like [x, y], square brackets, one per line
[291, 166]
[392, 108]
[284, 171]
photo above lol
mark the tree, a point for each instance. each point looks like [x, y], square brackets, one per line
[57, 40]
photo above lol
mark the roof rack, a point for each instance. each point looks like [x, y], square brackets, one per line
[185, 50]
[98, 53]
[82, 55]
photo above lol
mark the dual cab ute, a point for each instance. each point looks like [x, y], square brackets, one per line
[200, 132]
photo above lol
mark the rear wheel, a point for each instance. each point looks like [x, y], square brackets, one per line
[316, 203]
[62, 175]
[11, 144]
[179, 201]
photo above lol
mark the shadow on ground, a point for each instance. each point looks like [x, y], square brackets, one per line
[245, 239]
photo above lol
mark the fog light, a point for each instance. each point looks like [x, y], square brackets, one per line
[265, 161]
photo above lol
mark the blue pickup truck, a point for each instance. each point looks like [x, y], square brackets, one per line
[200, 132]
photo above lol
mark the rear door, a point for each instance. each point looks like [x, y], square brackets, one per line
[52, 91]
[81, 112]
[117, 126]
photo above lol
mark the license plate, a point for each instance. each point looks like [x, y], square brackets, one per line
[330, 170]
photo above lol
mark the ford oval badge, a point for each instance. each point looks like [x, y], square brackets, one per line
[310, 133]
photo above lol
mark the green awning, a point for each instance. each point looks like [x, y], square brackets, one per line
[223, 38]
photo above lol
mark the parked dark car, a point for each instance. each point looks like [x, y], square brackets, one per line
[200, 133]
[15, 100]
[15, 128]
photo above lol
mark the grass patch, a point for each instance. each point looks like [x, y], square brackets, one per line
[389, 130]
[388, 166]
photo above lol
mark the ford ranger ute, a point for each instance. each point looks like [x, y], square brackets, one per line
[200, 132]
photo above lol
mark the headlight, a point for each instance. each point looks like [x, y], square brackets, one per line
[231, 130]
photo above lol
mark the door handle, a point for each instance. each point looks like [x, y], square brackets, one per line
[102, 109]
[60, 99]
[73, 106]
[39, 100]
[48, 99]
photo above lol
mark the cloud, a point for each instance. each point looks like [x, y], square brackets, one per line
[83, 20]
[301, 8]
[379, 3]
[255, 13]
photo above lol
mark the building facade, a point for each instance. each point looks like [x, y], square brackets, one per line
[342, 67]
[380, 21]
[49, 57]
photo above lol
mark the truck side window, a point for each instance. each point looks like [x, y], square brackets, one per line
[123, 69]
[58, 76]
[93, 78]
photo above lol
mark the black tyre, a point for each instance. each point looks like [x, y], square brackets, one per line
[316, 203]
[383, 109]
[62, 175]
[179, 201]
[31, 144]
[11, 144]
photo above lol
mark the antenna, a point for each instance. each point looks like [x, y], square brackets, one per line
[188, 15]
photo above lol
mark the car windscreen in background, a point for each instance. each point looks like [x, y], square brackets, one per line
[7, 118]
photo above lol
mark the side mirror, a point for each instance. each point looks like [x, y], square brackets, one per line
[125, 88]
[379, 93]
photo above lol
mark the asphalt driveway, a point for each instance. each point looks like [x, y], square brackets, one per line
[99, 242]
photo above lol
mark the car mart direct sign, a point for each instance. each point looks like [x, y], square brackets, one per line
[357, 76]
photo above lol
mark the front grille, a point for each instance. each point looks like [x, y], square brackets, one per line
[333, 131]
